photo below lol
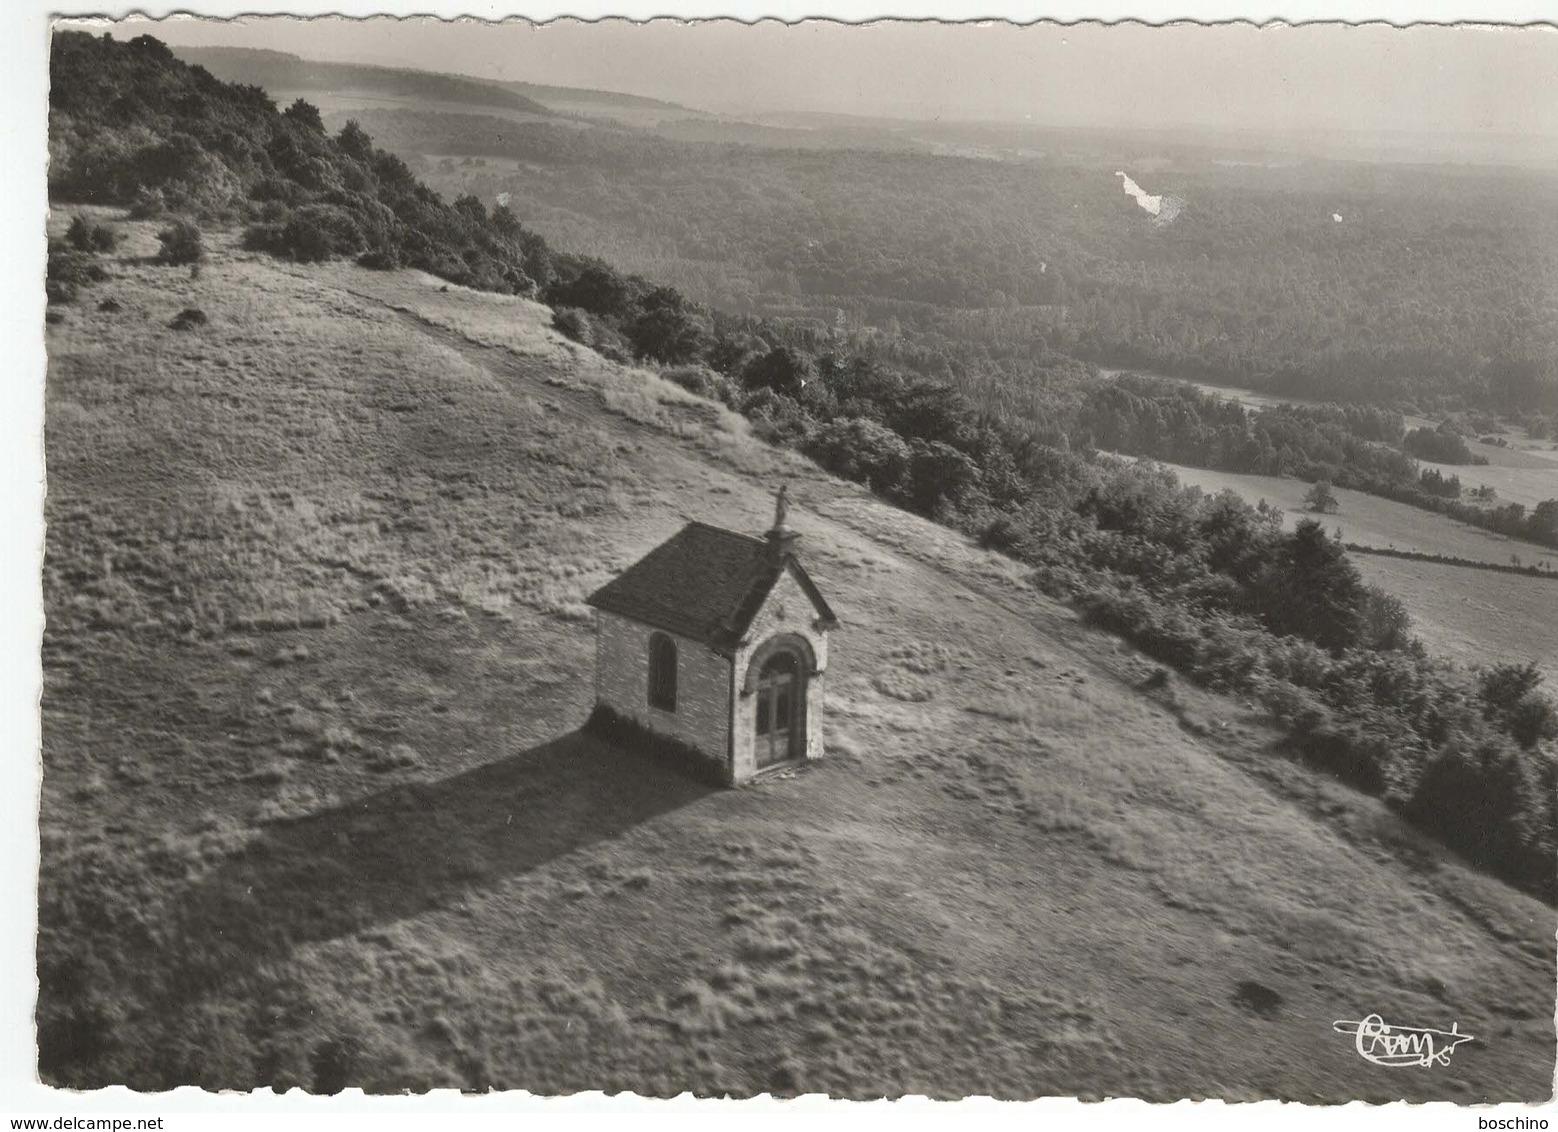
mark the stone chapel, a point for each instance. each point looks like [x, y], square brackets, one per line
[718, 641]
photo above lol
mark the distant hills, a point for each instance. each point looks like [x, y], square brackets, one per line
[279, 71]
[606, 99]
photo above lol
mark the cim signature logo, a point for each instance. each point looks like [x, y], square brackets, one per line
[1384, 1044]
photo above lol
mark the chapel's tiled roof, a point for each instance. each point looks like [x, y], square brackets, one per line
[705, 583]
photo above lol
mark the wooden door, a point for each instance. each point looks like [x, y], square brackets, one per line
[780, 710]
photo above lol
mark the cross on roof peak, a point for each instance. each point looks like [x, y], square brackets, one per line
[781, 506]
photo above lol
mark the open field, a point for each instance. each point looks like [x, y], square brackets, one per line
[1525, 472]
[1469, 615]
[1370, 520]
[1473, 616]
[316, 812]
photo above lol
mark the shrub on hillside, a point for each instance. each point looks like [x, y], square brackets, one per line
[668, 329]
[1349, 749]
[306, 114]
[942, 479]
[380, 259]
[1531, 720]
[1494, 804]
[598, 334]
[574, 324]
[776, 418]
[1509, 696]
[863, 451]
[1386, 624]
[783, 370]
[87, 237]
[68, 271]
[181, 243]
[277, 191]
[147, 204]
[596, 289]
[1502, 686]
[702, 382]
[1311, 589]
[318, 232]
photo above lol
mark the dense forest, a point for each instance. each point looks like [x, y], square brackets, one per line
[1209, 585]
[1431, 291]
[1000, 273]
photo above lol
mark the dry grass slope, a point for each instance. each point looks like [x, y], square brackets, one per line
[316, 811]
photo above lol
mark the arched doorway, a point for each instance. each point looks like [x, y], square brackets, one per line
[781, 709]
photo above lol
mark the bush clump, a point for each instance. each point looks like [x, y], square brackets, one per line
[85, 236]
[68, 271]
[701, 381]
[573, 324]
[380, 259]
[1491, 803]
[182, 243]
[311, 234]
[1442, 445]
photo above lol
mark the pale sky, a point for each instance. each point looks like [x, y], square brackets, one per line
[1312, 77]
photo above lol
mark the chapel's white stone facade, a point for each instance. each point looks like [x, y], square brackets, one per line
[719, 642]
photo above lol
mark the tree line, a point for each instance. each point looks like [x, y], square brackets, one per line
[1348, 446]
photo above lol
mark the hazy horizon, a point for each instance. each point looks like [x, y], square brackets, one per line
[1476, 81]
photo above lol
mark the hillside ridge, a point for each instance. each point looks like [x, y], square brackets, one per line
[286, 70]
[283, 71]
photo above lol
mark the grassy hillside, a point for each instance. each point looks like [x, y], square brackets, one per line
[316, 812]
